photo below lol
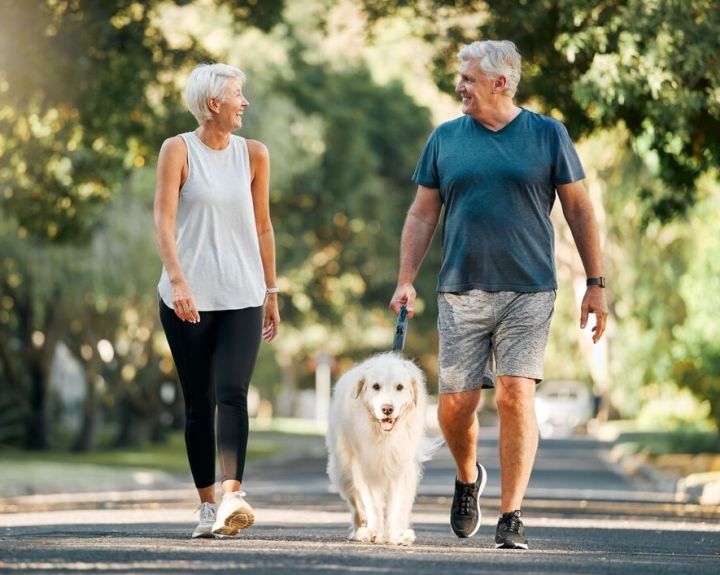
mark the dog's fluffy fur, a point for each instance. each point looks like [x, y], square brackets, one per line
[376, 446]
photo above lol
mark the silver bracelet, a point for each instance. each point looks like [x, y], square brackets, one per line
[272, 290]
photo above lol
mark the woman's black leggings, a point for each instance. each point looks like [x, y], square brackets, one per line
[215, 359]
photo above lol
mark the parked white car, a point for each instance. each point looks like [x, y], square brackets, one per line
[562, 407]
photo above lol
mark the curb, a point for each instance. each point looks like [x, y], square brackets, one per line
[701, 487]
[635, 466]
[145, 498]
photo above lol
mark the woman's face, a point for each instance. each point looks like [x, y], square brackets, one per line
[231, 106]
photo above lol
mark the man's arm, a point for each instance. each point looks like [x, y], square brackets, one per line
[580, 216]
[417, 233]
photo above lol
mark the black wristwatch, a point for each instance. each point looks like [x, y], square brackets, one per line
[596, 282]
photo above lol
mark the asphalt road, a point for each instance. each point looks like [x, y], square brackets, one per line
[582, 516]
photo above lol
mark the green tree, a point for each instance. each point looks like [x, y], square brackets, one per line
[652, 67]
[87, 93]
[339, 219]
[697, 357]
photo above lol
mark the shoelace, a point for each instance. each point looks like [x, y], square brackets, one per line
[467, 498]
[207, 512]
[511, 522]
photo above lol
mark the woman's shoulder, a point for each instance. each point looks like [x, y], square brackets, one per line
[256, 147]
[174, 149]
[257, 150]
[175, 144]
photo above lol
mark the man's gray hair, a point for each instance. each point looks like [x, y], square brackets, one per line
[208, 81]
[494, 59]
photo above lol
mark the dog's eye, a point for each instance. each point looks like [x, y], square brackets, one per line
[400, 387]
[376, 386]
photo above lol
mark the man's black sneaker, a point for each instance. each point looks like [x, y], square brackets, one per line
[510, 533]
[465, 512]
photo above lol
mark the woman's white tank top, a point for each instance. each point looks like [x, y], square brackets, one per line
[215, 232]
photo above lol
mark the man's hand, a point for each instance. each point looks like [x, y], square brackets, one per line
[594, 302]
[404, 296]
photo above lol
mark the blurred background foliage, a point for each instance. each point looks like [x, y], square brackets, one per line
[344, 93]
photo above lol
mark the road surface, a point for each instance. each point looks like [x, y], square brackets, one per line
[582, 516]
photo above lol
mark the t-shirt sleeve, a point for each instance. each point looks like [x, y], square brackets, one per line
[566, 165]
[426, 172]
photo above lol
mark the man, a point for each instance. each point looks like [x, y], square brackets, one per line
[496, 170]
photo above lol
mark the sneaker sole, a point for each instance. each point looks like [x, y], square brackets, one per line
[237, 520]
[480, 490]
[203, 535]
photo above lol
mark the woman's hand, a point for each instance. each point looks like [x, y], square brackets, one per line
[183, 301]
[271, 318]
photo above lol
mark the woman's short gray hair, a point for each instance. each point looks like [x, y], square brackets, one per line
[494, 59]
[208, 81]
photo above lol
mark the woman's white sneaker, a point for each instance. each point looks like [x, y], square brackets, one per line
[208, 514]
[233, 514]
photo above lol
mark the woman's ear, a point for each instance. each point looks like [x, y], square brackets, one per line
[213, 105]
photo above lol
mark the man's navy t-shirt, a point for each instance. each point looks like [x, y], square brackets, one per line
[498, 189]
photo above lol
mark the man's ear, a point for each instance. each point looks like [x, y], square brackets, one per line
[359, 387]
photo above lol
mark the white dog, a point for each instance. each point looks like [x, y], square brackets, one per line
[376, 446]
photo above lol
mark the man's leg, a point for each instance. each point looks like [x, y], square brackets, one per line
[515, 397]
[460, 427]
[459, 424]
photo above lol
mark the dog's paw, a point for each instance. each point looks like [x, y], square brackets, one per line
[406, 537]
[363, 535]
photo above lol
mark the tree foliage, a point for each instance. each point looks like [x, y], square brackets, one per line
[87, 92]
[339, 192]
[651, 66]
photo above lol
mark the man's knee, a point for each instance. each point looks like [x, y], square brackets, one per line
[515, 394]
[456, 407]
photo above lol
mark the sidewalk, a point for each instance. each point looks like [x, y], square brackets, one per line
[693, 478]
[45, 485]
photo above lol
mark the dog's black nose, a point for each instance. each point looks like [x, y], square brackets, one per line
[387, 409]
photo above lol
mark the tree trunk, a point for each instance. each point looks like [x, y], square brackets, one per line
[38, 357]
[85, 439]
[36, 428]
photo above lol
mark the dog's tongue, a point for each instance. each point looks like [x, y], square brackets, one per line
[387, 424]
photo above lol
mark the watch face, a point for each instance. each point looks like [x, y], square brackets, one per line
[596, 281]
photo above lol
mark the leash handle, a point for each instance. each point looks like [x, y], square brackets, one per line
[400, 329]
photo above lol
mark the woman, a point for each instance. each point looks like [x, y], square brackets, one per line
[218, 292]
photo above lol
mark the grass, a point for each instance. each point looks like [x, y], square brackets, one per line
[289, 425]
[169, 456]
[689, 442]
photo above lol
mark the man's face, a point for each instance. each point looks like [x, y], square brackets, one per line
[475, 89]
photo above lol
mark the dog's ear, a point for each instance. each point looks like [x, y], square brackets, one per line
[416, 379]
[358, 387]
[415, 390]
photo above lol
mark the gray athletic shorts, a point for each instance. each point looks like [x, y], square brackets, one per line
[478, 328]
